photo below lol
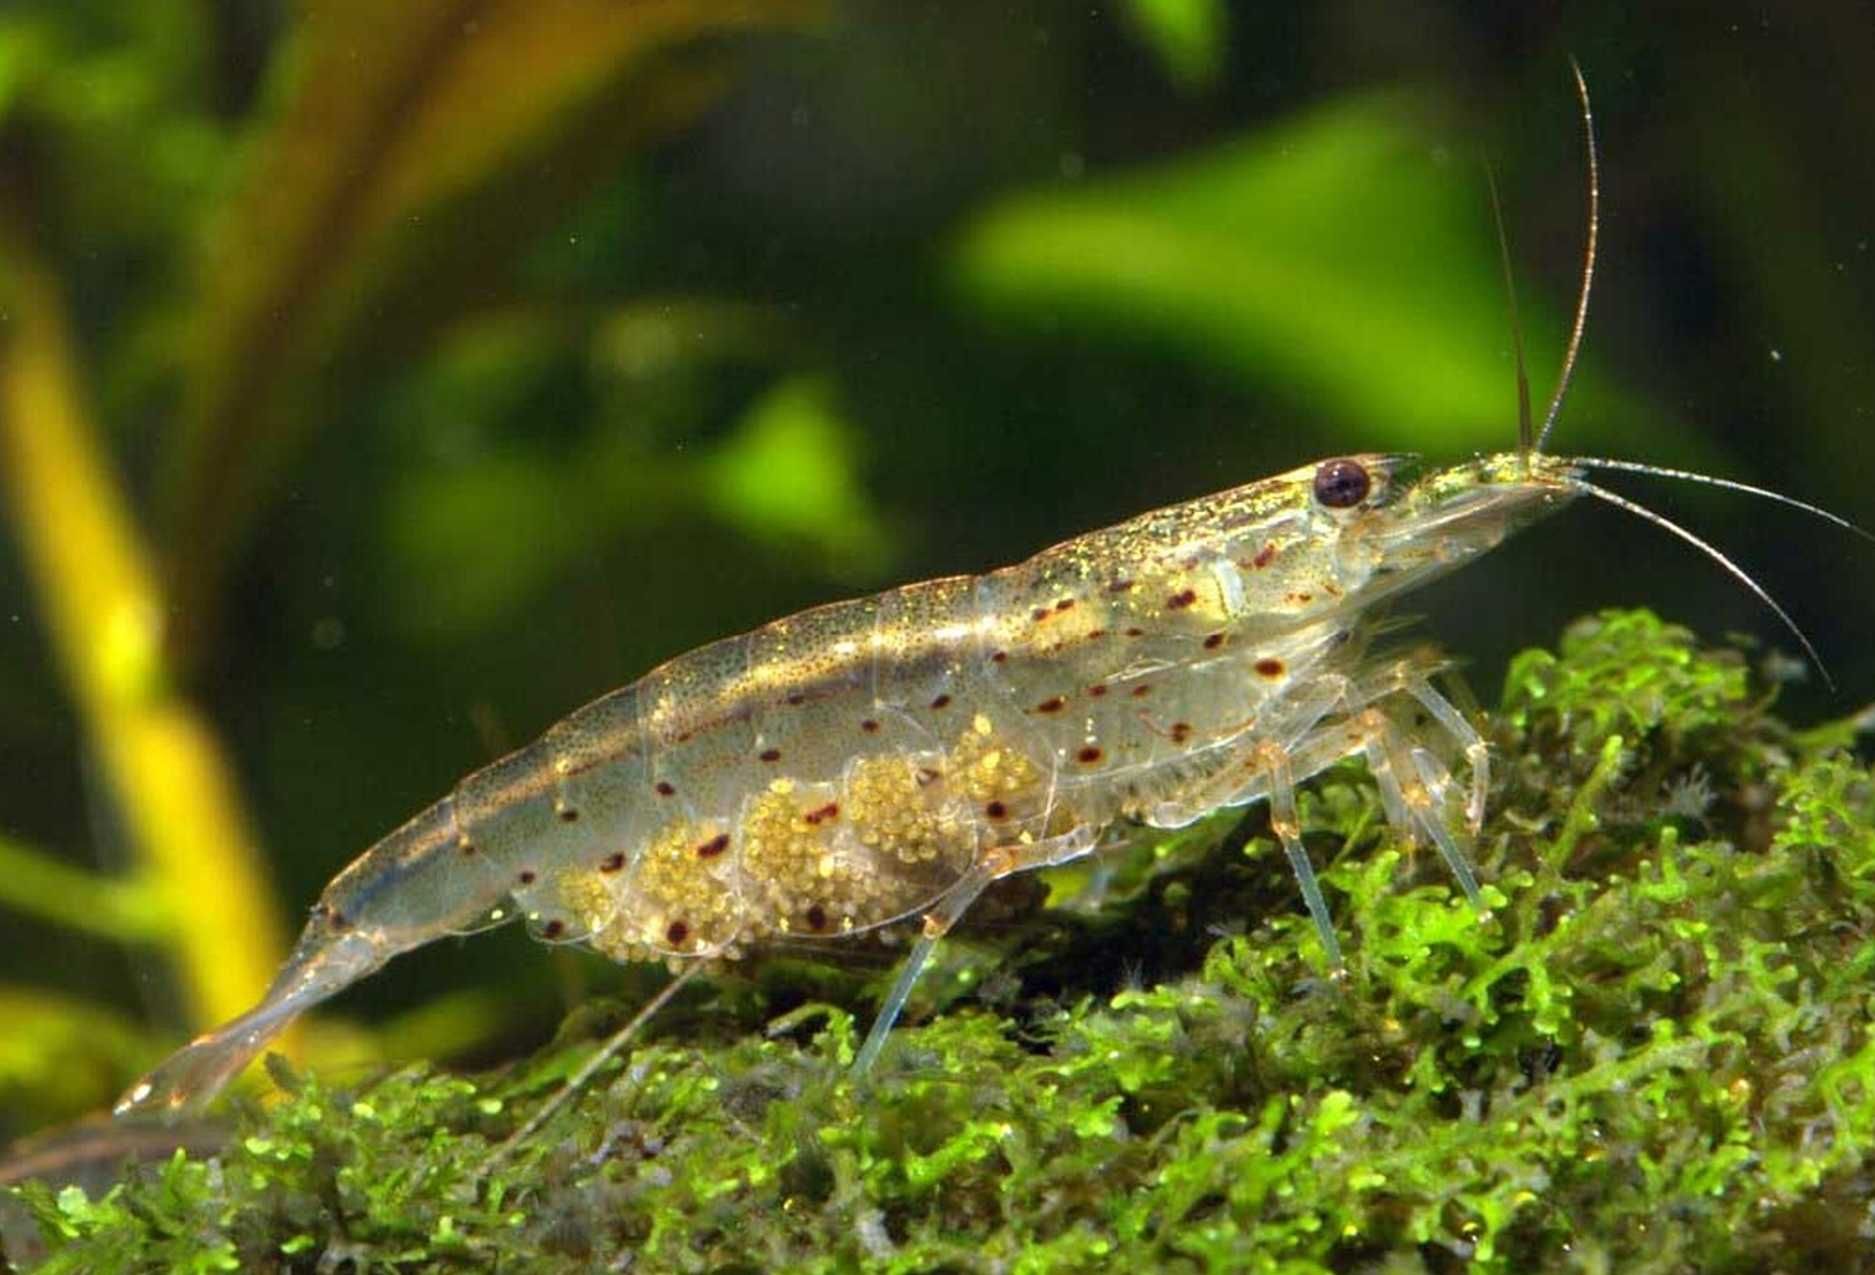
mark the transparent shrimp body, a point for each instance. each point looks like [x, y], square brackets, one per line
[885, 758]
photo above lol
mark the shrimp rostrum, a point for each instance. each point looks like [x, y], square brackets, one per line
[884, 759]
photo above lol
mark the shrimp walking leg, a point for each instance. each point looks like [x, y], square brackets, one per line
[1338, 717]
[996, 863]
[1297, 727]
[937, 924]
[1436, 781]
[1288, 828]
[1229, 785]
[1371, 745]
[1414, 789]
[1415, 786]
[1477, 755]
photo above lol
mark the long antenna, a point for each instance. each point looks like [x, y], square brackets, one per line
[1737, 572]
[1690, 476]
[1588, 261]
[1526, 431]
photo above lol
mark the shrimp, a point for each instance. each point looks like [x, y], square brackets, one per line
[884, 759]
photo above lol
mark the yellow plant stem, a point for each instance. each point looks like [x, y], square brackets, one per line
[106, 615]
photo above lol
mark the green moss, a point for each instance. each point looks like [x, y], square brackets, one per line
[1653, 1055]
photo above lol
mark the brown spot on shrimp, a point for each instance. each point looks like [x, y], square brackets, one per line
[714, 846]
[1182, 599]
[1269, 666]
[612, 862]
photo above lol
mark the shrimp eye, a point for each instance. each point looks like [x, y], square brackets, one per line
[1342, 484]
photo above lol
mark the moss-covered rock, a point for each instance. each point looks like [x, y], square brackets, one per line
[1653, 1055]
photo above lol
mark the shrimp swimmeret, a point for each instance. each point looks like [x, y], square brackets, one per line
[884, 759]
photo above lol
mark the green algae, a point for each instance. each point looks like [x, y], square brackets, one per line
[1653, 1055]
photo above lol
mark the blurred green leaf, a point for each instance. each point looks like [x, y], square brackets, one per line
[65, 1055]
[483, 539]
[487, 519]
[20, 49]
[1189, 37]
[125, 910]
[787, 477]
[651, 340]
[491, 520]
[114, 139]
[1335, 254]
[386, 192]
